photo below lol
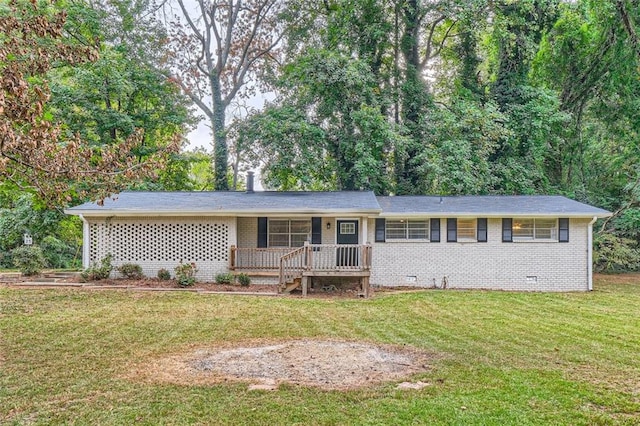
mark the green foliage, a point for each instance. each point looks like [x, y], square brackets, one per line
[243, 279]
[164, 274]
[100, 271]
[59, 254]
[28, 259]
[615, 254]
[58, 235]
[130, 271]
[186, 274]
[224, 278]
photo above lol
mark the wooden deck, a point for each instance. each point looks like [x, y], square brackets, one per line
[294, 266]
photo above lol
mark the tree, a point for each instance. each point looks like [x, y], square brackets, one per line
[35, 155]
[215, 51]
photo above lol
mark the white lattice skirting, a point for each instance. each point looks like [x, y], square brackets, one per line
[163, 243]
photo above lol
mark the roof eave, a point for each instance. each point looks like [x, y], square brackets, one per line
[495, 215]
[239, 213]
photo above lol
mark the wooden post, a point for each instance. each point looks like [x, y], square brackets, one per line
[232, 258]
[305, 283]
[365, 286]
[307, 256]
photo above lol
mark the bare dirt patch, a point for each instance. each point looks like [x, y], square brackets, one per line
[326, 364]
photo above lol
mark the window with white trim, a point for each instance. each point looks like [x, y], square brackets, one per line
[467, 230]
[289, 232]
[531, 229]
[406, 229]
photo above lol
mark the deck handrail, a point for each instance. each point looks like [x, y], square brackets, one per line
[256, 257]
[340, 257]
[293, 264]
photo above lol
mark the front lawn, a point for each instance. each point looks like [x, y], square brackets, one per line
[68, 356]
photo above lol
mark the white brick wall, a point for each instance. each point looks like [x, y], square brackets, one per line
[155, 243]
[491, 265]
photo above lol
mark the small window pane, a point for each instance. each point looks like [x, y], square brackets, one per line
[545, 229]
[278, 240]
[278, 226]
[418, 229]
[466, 229]
[348, 228]
[298, 240]
[396, 229]
[523, 229]
[300, 226]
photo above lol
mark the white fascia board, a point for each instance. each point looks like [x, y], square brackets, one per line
[220, 213]
[493, 215]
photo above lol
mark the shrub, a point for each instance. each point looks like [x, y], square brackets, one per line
[243, 279]
[131, 271]
[615, 254]
[58, 253]
[29, 259]
[164, 275]
[226, 278]
[98, 272]
[186, 274]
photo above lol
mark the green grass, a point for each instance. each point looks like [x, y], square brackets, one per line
[506, 358]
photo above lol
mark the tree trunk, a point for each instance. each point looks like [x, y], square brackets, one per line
[220, 150]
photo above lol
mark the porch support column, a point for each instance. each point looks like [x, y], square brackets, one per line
[86, 241]
[364, 231]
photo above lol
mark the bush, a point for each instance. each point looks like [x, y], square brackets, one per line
[98, 272]
[243, 279]
[131, 271]
[164, 275]
[59, 254]
[29, 259]
[186, 274]
[226, 278]
[615, 254]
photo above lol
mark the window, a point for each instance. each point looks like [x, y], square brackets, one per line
[347, 228]
[289, 232]
[530, 229]
[405, 229]
[466, 230]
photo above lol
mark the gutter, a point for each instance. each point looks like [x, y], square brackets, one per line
[86, 241]
[590, 254]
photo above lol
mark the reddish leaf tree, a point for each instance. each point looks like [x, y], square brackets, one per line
[33, 154]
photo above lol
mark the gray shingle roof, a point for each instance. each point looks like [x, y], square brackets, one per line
[232, 203]
[339, 202]
[488, 205]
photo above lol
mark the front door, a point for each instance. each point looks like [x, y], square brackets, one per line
[347, 234]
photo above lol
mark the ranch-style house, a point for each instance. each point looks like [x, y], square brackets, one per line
[297, 239]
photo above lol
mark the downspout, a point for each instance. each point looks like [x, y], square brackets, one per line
[590, 254]
[86, 241]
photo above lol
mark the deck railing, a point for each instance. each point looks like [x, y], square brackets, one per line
[293, 264]
[256, 258]
[318, 257]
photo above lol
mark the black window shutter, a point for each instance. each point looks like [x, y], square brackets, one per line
[563, 225]
[316, 230]
[434, 231]
[482, 230]
[507, 233]
[262, 232]
[452, 230]
[380, 230]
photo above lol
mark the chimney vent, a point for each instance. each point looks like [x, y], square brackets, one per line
[249, 182]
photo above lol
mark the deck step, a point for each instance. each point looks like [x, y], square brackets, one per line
[289, 287]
